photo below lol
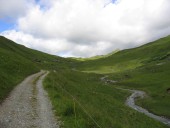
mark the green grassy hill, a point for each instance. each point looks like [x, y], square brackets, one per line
[17, 62]
[145, 68]
[41, 59]
[96, 57]
[80, 98]
[129, 59]
[13, 68]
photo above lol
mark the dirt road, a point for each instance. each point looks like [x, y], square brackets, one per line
[28, 106]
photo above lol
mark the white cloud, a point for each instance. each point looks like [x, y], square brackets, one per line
[56, 46]
[91, 27]
[12, 9]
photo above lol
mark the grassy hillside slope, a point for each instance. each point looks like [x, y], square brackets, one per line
[152, 76]
[41, 59]
[128, 59]
[145, 68]
[79, 96]
[17, 62]
[154, 79]
[13, 68]
[82, 100]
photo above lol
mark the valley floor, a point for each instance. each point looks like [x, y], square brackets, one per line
[85, 100]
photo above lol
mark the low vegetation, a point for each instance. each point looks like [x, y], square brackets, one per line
[82, 100]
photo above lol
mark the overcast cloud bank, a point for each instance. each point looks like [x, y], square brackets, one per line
[86, 28]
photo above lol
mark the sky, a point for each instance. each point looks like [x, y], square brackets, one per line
[84, 28]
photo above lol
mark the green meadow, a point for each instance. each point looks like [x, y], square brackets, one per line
[80, 98]
[145, 68]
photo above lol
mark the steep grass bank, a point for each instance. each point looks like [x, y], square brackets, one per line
[13, 69]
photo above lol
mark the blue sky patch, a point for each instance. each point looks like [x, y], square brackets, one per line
[5, 25]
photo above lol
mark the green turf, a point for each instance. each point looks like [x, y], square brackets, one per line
[82, 100]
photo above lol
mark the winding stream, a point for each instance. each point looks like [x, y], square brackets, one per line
[131, 103]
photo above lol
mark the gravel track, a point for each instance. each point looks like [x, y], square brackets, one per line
[28, 106]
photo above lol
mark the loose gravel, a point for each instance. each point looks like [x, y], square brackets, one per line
[28, 106]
